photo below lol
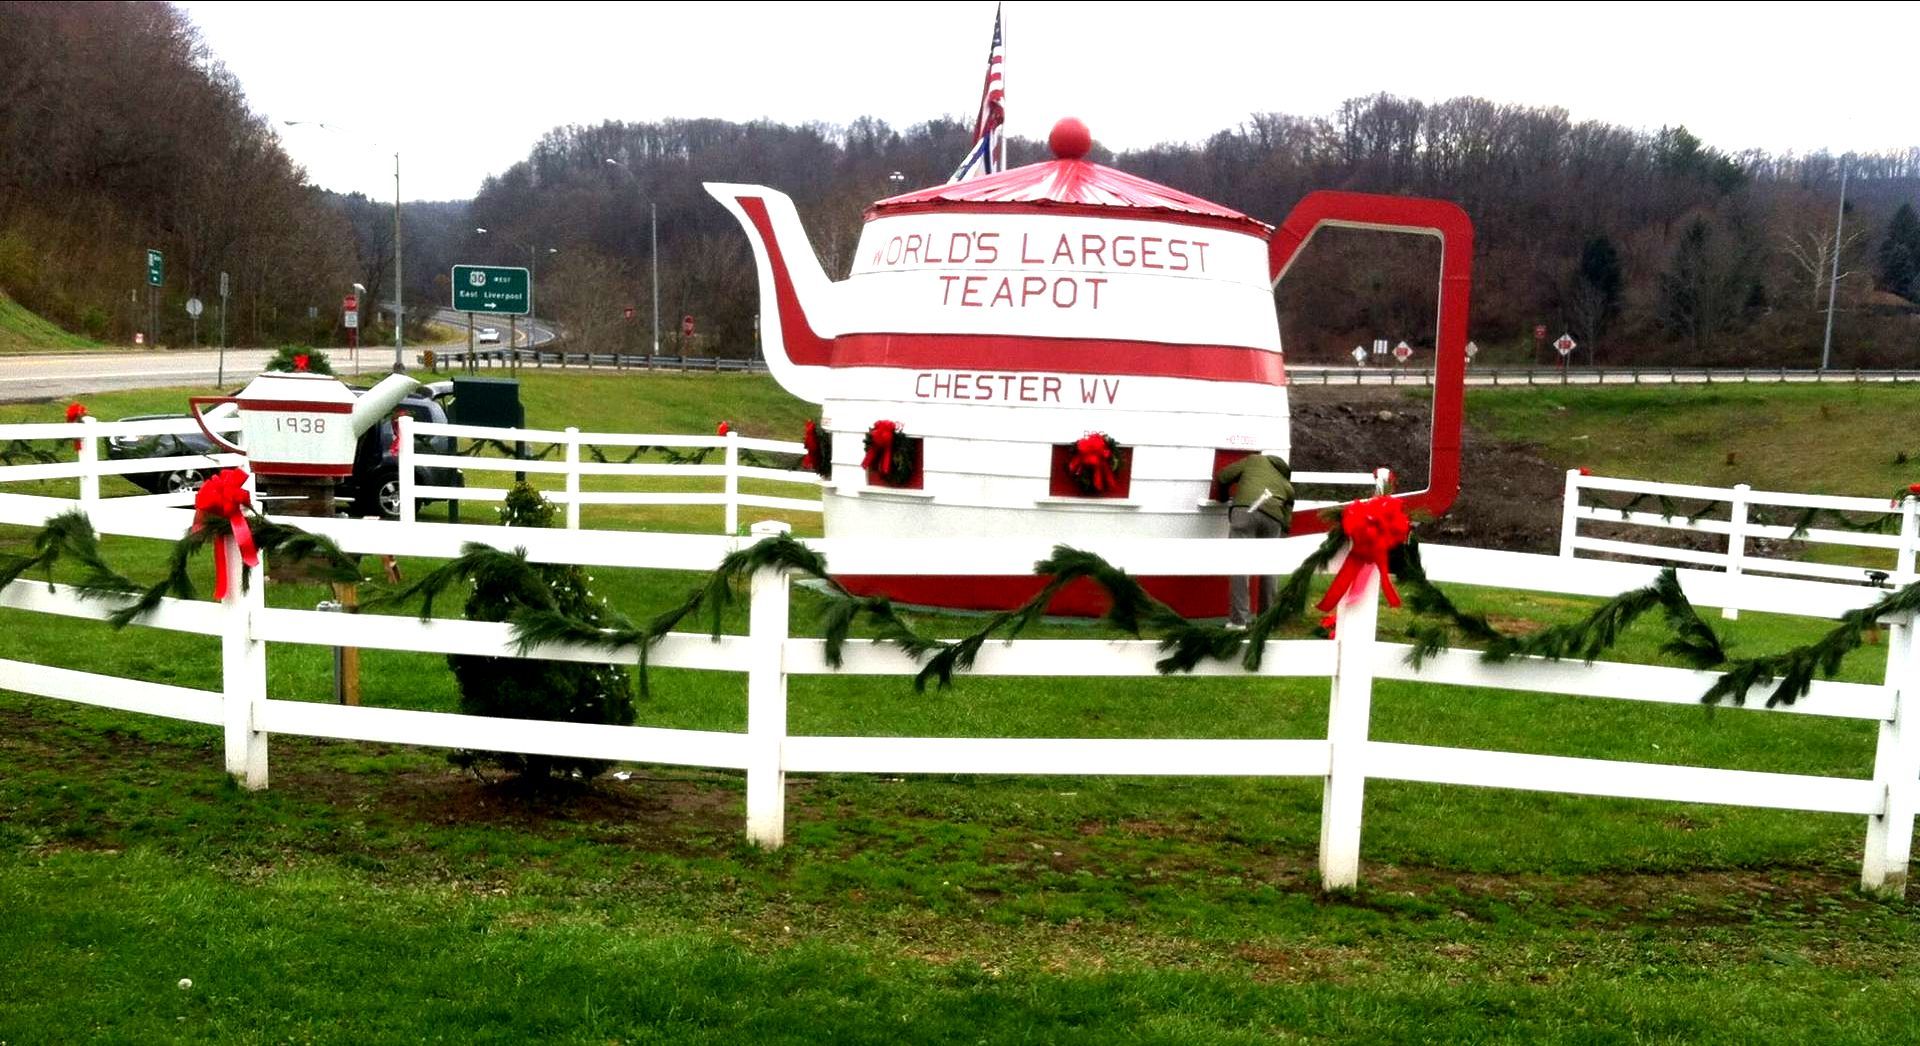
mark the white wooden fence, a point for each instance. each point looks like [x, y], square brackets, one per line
[1344, 760]
[91, 462]
[573, 469]
[1898, 570]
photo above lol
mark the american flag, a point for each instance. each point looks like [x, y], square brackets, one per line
[989, 152]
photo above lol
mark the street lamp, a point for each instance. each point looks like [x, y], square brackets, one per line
[653, 248]
[399, 294]
[532, 254]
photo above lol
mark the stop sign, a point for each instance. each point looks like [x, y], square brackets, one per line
[686, 326]
[1564, 344]
[350, 303]
[627, 313]
[1540, 332]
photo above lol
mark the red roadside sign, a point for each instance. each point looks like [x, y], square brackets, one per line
[1564, 344]
[1540, 332]
[686, 326]
[350, 303]
[1403, 352]
[626, 313]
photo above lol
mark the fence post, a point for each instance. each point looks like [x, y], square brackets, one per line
[573, 477]
[1736, 540]
[733, 482]
[1904, 566]
[767, 701]
[1348, 711]
[243, 673]
[1896, 762]
[88, 446]
[405, 461]
[1570, 514]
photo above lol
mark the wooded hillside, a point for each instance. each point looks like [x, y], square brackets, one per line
[119, 132]
[1646, 246]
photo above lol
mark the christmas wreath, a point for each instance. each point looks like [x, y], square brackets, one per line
[890, 455]
[819, 445]
[294, 360]
[1095, 464]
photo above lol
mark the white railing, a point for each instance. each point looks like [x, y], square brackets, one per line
[1740, 528]
[91, 463]
[572, 469]
[1344, 760]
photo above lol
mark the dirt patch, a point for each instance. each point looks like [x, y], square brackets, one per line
[1509, 495]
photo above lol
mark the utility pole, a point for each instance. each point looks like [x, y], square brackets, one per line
[1833, 282]
[653, 234]
[399, 288]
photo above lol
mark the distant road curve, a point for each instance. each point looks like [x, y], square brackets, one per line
[59, 375]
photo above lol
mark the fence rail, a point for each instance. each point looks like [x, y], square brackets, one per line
[1740, 528]
[90, 465]
[768, 655]
[573, 469]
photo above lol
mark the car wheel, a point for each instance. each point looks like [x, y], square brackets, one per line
[388, 494]
[181, 480]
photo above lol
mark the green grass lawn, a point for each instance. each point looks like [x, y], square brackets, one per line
[376, 894]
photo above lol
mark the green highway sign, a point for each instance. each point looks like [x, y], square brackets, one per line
[500, 289]
[156, 268]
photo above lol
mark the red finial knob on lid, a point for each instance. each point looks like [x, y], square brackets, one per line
[1070, 139]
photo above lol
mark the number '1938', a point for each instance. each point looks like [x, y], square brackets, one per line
[300, 425]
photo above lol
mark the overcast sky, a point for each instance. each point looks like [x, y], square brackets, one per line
[478, 83]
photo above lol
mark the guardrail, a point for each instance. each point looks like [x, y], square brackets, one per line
[1740, 528]
[1297, 374]
[89, 465]
[731, 471]
[1503, 377]
[1344, 760]
[438, 360]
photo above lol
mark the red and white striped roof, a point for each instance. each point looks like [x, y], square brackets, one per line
[1069, 184]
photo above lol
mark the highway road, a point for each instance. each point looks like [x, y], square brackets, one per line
[51, 376]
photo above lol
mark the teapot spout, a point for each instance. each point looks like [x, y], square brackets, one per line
[798, 318]
[380, 400]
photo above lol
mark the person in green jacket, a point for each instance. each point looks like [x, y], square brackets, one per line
[1262, 488]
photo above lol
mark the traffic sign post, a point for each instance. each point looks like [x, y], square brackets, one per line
[1564, 345]
[194, 309]
[1403, 352]
[502, 290]
[1359, 356]
[156, 277]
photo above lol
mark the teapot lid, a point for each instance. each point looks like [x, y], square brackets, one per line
[1069, 184]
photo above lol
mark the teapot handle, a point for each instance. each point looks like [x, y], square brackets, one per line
[1451, 225]
[193, 407]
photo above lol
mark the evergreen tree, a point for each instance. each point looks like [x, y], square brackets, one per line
[1900, 254]
[518, 688]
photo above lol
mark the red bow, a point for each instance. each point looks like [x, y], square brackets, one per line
[1373, 528]
[302, 361]
[75, 411]
[810, 440]
[722, 429]
[223, 497]
[880, 448]
[1092, 461]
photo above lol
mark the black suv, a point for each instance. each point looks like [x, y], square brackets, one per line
[372, 489]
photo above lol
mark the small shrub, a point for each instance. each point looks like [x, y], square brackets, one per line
[515, 688]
